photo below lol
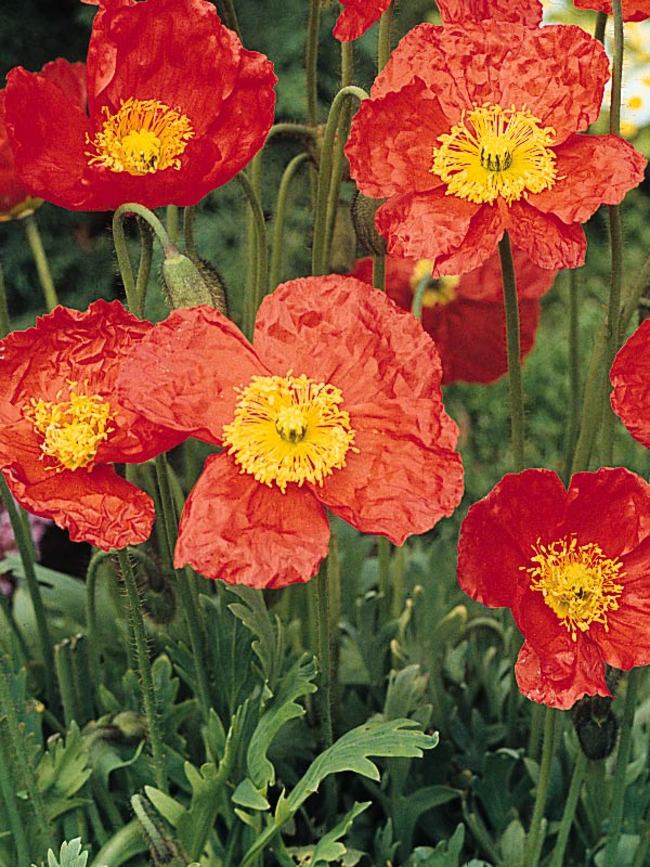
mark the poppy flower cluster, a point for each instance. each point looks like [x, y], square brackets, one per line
[63, 426]
[176, 107]
[336, 405]
[633, 10]
[465, 315]
[475, 134]
[574, 567]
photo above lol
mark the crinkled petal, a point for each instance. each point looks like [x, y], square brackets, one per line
[398, 482]
[184, 373]
[610, 507]
[562, 676]
[485, 230]
[593, 170]
[399, 160]
[98, 507]
[497, 536]
[630, 376]
[633, 10]
[238, 530]
[357, 17]
[527, 12]
[425, 225]
[69, 77]
[547, 241]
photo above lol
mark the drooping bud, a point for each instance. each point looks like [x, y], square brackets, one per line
[343, 242]
[187, 284]
[596, 726]
[363, 217]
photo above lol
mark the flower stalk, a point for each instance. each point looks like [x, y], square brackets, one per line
[534, 838]
[569, 812]
[40, 260]
[277, 245]
[513, 350]
[311, 61]
[260, 283]
[383, 38]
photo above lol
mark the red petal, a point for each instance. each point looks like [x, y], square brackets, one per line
[527, 12]
[561, 677]
[184, 373]
[99, 507]
[400, 159]
[407, 222]
[69, 77]
[610, 507]
[594, 170]
[499, 532]
[484, 284]
[357, 17]
[235, 529]
[548, 241]
[630, 376]
[633, 10]
[485, 230]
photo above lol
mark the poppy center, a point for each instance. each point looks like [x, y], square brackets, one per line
[72, 430]
[289, 429]
[439, 290]
[578, 582]
[142, 137]
[496, 152]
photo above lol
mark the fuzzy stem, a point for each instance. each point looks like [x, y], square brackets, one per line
[324, 695]
[171, 222]
[10, 801]
[5, 325]
[135, 292]
[280, 212]
[379, 272]
[188, 232]
[144, 670]
[418, 297]
[574, 373]
[599, 27]
[533, 839]
[40, 260]
[622, 759]
[311, 61]
[65, 677]
[144, 268]
[319, 248]
[262, 270]
[91, 614]
[383, 571]
[26, 551]
[569, 810]
[513, 345]
[383, 39]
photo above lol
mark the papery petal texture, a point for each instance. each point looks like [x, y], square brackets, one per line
[527, 12]
[633, 10]
[358, 16]
[630, 377]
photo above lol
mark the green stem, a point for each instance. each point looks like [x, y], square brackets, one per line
[599, 28]
[379, 272]
[535, 731]
[513, 346]
[324, 643]
[641, 854]
[383, 571]
[280, 213]
[383, 39]
[26, 551]
[617, 69]
[569, 810]
[65, 677]
[262, 270]
[22, 762]
[188, 232]
[8, 790]
[622, 759]
[91, 614]
[311, 61]
[534, 834]
[288, 128]
[5, 325]
[40, 260]
[418, 296]
[144, 670]
[397, 586]
[230, 16]
[319, 248]
[171, 222]
[135, 293]
[144, 268]
[574, 373]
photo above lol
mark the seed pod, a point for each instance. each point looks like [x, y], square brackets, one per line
[596, 726]
[363, 217]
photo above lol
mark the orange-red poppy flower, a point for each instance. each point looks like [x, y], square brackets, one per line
[470, 132]
[336, 405]
[527, 12]
[357, 17]
[465, 315]
[62, 425]
[630, 375]
[633, 10]
[574, 567]
[15, 200]
[176, 107]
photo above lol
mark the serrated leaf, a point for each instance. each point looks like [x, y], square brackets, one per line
[298, 681]
[446, 854]
[246, 795]
[70, 855]
[329, 848]
[269, 645]
[63, 770]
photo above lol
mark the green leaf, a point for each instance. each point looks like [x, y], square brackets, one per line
[298, 681]
[62, 771]
[70, 855]
[246, 795]
[269, 646]
[446, 854]
[328, 848]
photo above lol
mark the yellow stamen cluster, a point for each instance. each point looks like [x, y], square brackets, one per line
[579, 583]
[440, 290]
[144, 136]
[496, 152]
[72, 429]
[289, 429]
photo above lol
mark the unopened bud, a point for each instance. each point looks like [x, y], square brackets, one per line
[363, 217]
[344, 244]
[188, 284]
[596, 726]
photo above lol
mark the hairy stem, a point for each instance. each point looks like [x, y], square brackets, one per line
[513, 346]
[40, 260]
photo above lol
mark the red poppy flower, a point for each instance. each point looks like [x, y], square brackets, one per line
[176, 107]
[630, 375]
[470, 132]
[527, 12]
[357, 17]
[465, 315]
[633, 10]
[62, 424]
[15, 200]
[337, 405]
[574, 567]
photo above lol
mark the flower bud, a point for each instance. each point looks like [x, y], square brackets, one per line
[343, 242]
[363, 216]
[596, 726]
[187, 284]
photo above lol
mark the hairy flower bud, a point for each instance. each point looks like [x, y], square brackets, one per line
[188, 284]
[363, 217]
